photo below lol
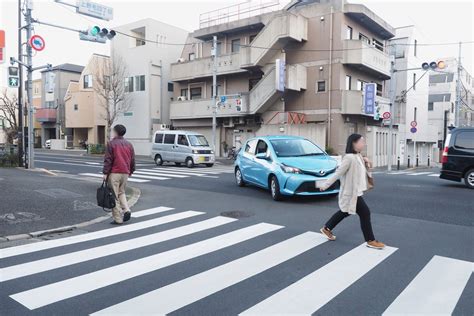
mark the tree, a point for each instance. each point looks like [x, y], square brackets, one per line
[9, 115]
[109, 84]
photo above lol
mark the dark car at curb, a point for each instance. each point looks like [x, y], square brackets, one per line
[458, 157]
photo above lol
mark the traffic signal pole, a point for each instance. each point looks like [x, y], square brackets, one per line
[392, 109]
[21, 143]
[29, 89]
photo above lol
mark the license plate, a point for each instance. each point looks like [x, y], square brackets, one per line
[319, 183]
[203, 159]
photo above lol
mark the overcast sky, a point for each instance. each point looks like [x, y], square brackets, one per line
[439, 21]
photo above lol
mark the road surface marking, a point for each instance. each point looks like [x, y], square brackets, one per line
[301, 298]
[151, 211]
[68, 163]
[50, 263]
[418, 173]
[399, 172]
[179, 294]
[434, 175]
[98, 175]
[68, 288]
[172, 172]
[139, 176]
[196, 170]
[48, 244]
[435, 290]
[159, 174]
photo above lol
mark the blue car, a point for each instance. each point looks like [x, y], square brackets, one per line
[286, 165]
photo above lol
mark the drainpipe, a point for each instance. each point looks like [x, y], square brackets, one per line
[330, 75]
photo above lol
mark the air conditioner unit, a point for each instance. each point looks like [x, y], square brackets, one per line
[180, 60]
[181, 98]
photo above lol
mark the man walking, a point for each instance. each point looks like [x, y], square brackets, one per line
[119, 164]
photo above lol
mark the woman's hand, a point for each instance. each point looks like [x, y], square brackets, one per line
[323, 187]
[368, 163]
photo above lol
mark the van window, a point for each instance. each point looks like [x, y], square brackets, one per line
[465, 140]
[158, 138]
[182, 140]
[250, 146]
[261, 147]
[169, 138]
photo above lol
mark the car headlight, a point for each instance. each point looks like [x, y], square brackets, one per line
[289, 169]
[195, 152]
[212, 151]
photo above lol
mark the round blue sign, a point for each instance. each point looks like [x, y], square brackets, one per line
[413, 130]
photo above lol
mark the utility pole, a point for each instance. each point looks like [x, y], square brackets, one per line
[29, 86]
[214, 92]
[21, 143]
[393, 92]
[458, 90]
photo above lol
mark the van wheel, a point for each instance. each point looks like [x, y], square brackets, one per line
[275, 189]
[238, 178]
[209, 165]
[158, 160]
[469, 179]
[177, 164]
[189, 162]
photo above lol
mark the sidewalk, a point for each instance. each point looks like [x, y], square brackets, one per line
[33, 202]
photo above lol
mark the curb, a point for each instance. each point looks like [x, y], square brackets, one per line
[136, 193]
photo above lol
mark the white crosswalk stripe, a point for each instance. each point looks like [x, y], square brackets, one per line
[441, 281]
[98, 175]
[414, 173]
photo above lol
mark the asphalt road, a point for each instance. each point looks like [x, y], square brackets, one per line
[244, 253]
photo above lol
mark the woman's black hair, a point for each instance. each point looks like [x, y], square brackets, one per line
[350, 143]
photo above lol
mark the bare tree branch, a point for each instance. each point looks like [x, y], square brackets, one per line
[9, 115]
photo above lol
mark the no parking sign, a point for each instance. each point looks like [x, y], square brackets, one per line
[37, 43]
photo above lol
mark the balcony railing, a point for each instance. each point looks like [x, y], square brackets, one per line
[363, 55]
[202, 67]
[202, 108]
[45, 115]
[353, 103]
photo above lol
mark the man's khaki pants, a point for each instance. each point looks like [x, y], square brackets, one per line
[118, 182]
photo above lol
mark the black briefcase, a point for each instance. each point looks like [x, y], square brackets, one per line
[105, 197]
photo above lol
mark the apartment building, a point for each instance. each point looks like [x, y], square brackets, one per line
[51, 115]
[85, 110]
[147, 50]
[417, 134]
[37, 105]
[297, 70]
[442, 99]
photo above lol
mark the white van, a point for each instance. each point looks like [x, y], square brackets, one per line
[180, 147]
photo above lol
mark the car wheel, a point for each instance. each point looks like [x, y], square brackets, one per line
[189, 162]
[177, 164]
[469, 179]
[275, 189]
[158, 160]
[209, 165]
[238, 178]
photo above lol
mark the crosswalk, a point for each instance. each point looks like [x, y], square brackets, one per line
[410, 173]
[29, 273]
[165, 173]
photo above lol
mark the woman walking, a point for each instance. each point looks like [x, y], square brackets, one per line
[355, 180]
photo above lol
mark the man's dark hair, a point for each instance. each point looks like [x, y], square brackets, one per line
[120, 129]
[350, 143]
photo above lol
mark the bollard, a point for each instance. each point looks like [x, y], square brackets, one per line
[428, 160]
[398, 163]
[408, 161]
[416, 160]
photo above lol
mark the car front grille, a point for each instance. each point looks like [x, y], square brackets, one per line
[204, 152]
[316, 173]
[310, 187]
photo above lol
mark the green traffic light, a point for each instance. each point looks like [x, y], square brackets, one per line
[94, 30]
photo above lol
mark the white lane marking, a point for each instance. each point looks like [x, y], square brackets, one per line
[301, 298]
[160, 174]
[68, 163]
[51, 263]
[198, 170]
[434, 175]
[399, 172]
[68, 288]
[172, 172]
[142, 176]
[213, 177]
[176, 295]
[418, 173]
[151, 211]
[435, 290]
[48, 244]
[84, 161]
[98, 175]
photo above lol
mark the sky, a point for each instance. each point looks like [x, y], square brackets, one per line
[438, 21]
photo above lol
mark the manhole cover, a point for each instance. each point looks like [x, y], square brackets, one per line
[237, 214]
[58, 193]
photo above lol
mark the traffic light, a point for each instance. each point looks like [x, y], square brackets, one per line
[97, 34]
[433, 65]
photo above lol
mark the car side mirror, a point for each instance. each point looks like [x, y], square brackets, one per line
[264, 156]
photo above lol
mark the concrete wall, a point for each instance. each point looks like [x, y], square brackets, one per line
[314, 132]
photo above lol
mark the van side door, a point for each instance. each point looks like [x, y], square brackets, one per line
[182, 149]
[168, 147]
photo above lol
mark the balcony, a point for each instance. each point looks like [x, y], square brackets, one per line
[280, 30]
[352, 103]
[202, 67]
[45, 115]
[202, 108]
[367, 58]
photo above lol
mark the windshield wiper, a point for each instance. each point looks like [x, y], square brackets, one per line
[312, 154]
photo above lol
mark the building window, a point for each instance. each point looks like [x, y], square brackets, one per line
[430, 106]
[191, 56]
[184, 93]
[219, 49]
[349, 33]
[252, 37]
[128, 114]
[414, 81]
[415, 46]
[348, 82]
[76, 107]
[140, 83]
[170, 87]
[139, 34]
[128, 82]
[87, 81]
[377, 44]
[196, 93]
[235, 45]
[321, 86]
[360, 85]
[379, 89]
[364, 38]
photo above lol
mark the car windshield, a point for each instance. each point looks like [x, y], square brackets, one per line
[198, 140]
[295, 148]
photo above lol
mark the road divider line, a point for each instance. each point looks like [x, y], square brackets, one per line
[58, 291]
[435, 290]
[51, 263]
[419, 173]
[49, 244]
[301, 298]
[187, 291]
